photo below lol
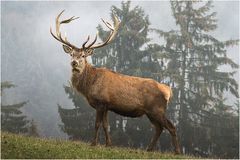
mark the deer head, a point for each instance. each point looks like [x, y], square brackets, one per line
[79, 54]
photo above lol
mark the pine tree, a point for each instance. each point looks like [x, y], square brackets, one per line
[193, 57]
[125, 54]
[128, 54]
[79, 121]
[223, 127]
[32, 130]
[12, 119]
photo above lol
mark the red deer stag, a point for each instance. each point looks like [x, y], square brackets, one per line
[106, 90]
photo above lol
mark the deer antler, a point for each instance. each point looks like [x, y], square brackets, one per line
[58, 35]
[112, 34]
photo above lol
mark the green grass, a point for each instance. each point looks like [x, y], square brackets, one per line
[17, 146]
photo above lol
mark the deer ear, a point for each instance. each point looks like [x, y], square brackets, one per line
[89, 52]
[67, 49]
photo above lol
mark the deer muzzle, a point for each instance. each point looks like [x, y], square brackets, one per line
[74, 63]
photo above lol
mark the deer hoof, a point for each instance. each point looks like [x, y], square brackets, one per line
[93, 143]
[108, 144]
[149, 149]
[177, 152]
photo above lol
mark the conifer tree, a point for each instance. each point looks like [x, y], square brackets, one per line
[193, 58]
[128, 54]
[32, 130]
[12, 119]
[79, 121]
[125, 53]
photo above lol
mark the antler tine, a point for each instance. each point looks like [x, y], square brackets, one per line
[58, 35]
[95, 39]
[69, 20]
[57, 22]
[83, 45]
[107, 24]
[117, 23]
[112, 34]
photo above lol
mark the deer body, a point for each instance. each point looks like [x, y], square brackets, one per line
[106, 90]
[125, 95]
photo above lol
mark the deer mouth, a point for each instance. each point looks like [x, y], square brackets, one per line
[75, 70]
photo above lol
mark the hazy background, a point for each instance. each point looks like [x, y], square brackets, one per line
[36, 63]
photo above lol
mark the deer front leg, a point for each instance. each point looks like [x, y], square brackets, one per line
[99, 118]
[105, 127]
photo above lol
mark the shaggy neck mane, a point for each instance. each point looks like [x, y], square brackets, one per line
[83, 81]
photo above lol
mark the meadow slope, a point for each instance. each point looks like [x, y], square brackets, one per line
[18, 146]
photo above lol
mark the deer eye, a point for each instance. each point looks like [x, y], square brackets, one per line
[89, 51]
[67, 49]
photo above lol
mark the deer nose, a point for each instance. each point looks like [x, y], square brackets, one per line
[74, 63]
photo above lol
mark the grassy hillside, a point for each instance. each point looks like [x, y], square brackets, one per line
[17, 146]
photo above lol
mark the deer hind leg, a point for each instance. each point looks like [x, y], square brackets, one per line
[159, 116]
[105, 128]
[99, 118]
[158, 131]
[172, 130]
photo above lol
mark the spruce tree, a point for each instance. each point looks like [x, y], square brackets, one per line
[125, 53]
[79, 121]
[32, 129]
[193, 58]
[12, 119]
[128, 54]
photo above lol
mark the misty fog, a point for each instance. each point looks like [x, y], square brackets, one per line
[37, 64]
